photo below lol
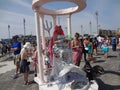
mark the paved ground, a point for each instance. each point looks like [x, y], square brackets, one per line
[110, 80]
[6, 64]
[7, 70]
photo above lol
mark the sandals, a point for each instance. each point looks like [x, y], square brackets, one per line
[27, 83]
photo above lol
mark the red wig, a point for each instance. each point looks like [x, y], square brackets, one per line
[57, 31]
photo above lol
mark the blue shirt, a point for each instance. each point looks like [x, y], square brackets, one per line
[16, 45]
[113, 40]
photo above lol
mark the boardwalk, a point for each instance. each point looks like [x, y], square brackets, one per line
[110, 80]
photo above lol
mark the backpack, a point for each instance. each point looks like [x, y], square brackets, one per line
[91, 72]
[98, 70]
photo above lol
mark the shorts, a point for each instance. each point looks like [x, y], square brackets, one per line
[17, 59]
[24, 66]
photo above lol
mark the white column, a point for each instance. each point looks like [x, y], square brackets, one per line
[54, 21]
[69, 24]
[42, 31]
[39, 46]
[43, 39]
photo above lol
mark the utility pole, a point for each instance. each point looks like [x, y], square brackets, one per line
[96, 13]
[9, 31]
[24, 27]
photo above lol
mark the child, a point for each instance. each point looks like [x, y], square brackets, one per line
[105, 49]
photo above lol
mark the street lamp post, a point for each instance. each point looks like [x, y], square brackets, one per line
[24, 26]
[96, 13]
[90, 28]
[81, 29]
[59, 20]
[66, 30]
[9, 31]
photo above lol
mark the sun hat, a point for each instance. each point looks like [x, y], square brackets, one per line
[27, 45]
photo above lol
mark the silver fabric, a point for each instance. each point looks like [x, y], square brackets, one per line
[67, 75]
[64, 73]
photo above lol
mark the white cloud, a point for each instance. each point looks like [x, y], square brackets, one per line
[23, 3]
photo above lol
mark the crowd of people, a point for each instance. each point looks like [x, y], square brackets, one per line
[82, 47]
[4, 48]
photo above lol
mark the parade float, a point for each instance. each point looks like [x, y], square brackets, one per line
[63, 75]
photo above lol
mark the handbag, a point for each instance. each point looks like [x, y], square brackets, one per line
[28, 63]
[86, 49]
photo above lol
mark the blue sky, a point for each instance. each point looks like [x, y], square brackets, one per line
[12, 13]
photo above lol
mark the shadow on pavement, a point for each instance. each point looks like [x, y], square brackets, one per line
[10, 58]
[99, 61]
[112, 72]
[100, 53]
[3, 65]
[111, 56]
[103, 86]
